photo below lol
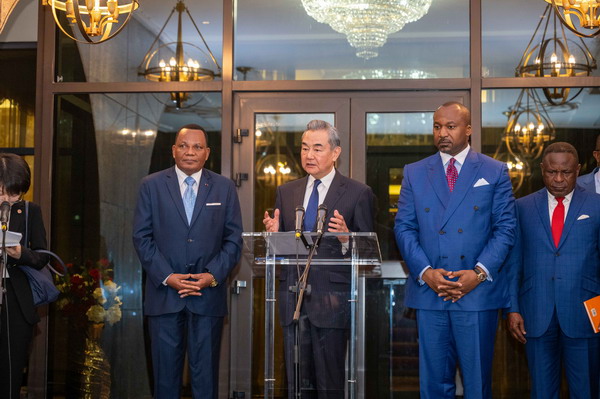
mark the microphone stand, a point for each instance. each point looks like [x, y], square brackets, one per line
[304, 277]
[3, 263]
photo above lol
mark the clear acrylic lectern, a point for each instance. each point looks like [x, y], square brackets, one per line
[328, 299]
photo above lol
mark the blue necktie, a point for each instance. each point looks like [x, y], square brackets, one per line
[189, 198]
[310, 218]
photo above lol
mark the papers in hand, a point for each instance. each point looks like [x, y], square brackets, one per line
[12, 239]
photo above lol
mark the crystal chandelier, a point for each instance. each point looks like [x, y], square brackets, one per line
[550, 53]
[577, 15]
[94, 19]
[366, 23]
[183, 64]
[529, 127]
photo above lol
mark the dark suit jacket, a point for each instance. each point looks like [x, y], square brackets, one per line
[166, 244]
[544, 277]
[454, 231]
[587, 182]
[327, 304]
[37, 240]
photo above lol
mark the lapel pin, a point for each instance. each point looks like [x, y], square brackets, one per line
[19, 211]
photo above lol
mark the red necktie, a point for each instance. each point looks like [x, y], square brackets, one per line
[451, 174]
[558, 220]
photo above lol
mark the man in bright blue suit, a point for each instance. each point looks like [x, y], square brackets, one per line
[454, 227]
[553, 268]
[187, 233]
[591, 181]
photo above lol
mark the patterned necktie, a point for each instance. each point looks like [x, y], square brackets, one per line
[558, 220]
[451, 174]
[189, 198]
[310, 217]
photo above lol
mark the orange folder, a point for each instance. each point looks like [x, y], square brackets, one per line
[592, 307]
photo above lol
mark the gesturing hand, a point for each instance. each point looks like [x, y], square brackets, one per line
[271, 223]
[337, 224]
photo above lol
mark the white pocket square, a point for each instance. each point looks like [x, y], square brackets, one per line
[481, 182]
[213, 203]
[582, 217]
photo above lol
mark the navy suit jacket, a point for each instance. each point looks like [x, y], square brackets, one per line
[327, 304]
[454, 231]
[587, 182]
[544, 277]
[166, 244]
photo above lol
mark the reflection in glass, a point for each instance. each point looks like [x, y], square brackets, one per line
[393, 140]
[105, 144]
[118, 59]
[292, 46]
[575, 122]
[502, 48]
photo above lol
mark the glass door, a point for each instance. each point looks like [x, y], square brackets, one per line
[380, 133]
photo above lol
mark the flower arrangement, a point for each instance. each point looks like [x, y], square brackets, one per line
[90, 291]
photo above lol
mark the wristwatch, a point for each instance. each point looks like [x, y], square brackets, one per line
[481, 276]
[213, 283]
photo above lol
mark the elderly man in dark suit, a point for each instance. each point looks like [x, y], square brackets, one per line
[325, 314]
[591, 181]
[187, 233]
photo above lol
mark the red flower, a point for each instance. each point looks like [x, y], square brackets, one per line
[104, 263]
[76, 279]
[95, 273]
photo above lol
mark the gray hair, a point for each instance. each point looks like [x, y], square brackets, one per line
[332, 133]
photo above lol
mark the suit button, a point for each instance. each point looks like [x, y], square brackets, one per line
[476, 207]
[190, 240]
[442, 232]
[426, 209]
[462, 257]
[557, 254]
[460, 230]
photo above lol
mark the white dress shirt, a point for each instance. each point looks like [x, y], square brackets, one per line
[552, 202]
[597, 181]
[322, 188]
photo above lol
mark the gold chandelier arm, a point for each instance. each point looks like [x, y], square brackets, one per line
[60, 25]
[105, 37]
[533, 37]
[80, 24]
[566, 20]
[202, 37]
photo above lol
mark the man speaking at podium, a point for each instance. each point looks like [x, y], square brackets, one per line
[325, 315]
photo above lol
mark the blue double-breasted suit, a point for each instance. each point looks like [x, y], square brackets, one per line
[548, 285]
[454, 231]
[588, 181]
[166, 243]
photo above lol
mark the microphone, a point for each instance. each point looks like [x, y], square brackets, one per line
[299, 220]
[4, 212]
[321, 215]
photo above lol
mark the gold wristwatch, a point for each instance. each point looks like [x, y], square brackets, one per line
[481, 276]
[213, 283]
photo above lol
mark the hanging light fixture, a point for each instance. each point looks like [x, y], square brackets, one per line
[95, 19]
[552, 54]
[161, 64]
[578, 15]
[518, 170]
[529, 127]
[366, 23]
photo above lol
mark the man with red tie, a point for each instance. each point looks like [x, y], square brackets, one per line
[553, 268]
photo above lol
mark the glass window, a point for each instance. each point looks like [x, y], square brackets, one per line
[105, 144]
[503, 48]
[575, 122]
[393, 140]
[293, 46]
[122, 57]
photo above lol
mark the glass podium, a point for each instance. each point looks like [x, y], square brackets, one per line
[312, 295]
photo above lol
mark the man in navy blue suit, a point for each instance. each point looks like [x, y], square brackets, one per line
[591, 181]
[454, 227]
[187, 233]
[554, 267]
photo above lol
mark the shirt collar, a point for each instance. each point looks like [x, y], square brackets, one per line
[325, 181]
[181, 175]
[552, 199]
[460, 157]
